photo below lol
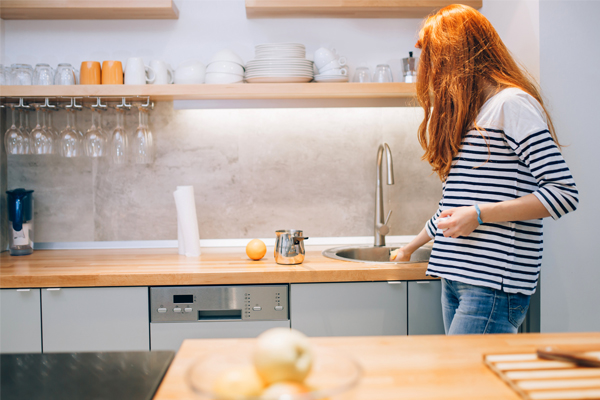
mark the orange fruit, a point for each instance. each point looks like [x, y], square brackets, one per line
[284, 389]
[256, 249]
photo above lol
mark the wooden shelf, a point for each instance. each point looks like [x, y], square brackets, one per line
[88, 9]
[245, 91]
[348, 8]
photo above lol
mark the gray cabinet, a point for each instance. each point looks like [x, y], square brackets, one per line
[349, 309]
[20, 321]
[425, 308]
[95, 319]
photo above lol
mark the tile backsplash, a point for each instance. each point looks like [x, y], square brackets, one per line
[253, 170]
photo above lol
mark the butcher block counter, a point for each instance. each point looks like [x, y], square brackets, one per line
[401, 367]
[158, 267]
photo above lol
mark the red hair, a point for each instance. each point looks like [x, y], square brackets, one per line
[461, 56]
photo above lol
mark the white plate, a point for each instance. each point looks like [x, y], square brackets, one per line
[280, 69]
[281, 79]
[278, 75]
[275, 60]
[262, 45]
[334, 79]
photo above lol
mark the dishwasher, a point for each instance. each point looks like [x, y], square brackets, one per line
[204, 312]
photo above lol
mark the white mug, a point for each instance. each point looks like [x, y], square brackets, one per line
[190, 73]
[136, 73]
[164, 73]
[334, 64]
[335, 71]
[324, 56]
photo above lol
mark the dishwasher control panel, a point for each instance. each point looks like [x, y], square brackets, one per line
[219, 303]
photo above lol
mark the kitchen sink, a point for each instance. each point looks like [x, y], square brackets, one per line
[372, 254]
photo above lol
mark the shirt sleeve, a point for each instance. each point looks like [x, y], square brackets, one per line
[431, 225]
[527, 134]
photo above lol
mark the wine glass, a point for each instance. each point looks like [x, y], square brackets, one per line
[41, 140]
[55, 133]
[119, 142]
[14, 142]
[142, 144]
[94, 141]
[70, 139]
[24, 128]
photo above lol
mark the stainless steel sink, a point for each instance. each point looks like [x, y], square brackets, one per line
[371, 254]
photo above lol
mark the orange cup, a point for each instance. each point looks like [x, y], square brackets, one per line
[90, 73]
[112, 73]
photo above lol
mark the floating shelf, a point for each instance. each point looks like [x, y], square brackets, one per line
[244, 91]
[348, 8]
[88, 9]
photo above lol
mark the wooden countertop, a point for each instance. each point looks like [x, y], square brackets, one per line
[153, 267]
[401, 367]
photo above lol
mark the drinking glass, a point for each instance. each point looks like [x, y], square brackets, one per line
[5, 75]
[383, 73]
[14, 141]
[49, 133]
[55, 133]
[362, 75]
[94, 141]
[41, 140]
[119, 144]
[142, 146]
[65, 75]
[43, 75]
[70, 140]
[22, 74]
[24, 128]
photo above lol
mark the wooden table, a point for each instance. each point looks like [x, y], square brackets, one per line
[402, 367]
[216, 266]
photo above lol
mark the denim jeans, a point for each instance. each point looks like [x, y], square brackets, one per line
[469, 309]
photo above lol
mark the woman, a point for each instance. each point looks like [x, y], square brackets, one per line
[490, 139]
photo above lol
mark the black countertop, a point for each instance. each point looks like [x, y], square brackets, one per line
[83, 376]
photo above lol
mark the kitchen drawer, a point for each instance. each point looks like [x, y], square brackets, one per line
[425, 308]
[20, 321]
[95, 319]
[349, 309]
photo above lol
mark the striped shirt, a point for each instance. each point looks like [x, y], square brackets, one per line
[514, 155]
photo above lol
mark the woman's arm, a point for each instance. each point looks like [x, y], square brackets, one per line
[463, 220]
[404, 253]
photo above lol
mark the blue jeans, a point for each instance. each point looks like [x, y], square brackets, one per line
[469, 309]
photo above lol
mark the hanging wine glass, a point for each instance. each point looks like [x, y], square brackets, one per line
[94, 142]
[54, 131]
[142, 144]
[23, 127]
[14, 142]
[48, 133]
[119, 143]
[41, 140]
[70, 139]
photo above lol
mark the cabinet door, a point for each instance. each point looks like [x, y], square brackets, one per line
[349, 309]
[95, 319]
[20, 321]
[425, 308]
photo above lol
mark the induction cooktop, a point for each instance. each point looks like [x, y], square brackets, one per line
[83, 376]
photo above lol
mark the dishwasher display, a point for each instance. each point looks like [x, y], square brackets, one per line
[219, 303]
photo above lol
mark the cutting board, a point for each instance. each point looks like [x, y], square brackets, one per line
[534, 378]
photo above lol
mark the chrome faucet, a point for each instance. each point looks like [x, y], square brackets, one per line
[381, 228]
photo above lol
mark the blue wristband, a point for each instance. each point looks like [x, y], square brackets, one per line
[478, 214]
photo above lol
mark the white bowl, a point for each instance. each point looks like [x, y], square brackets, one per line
[227, 67]
[227, 55]
[190, 73]
[223, 78]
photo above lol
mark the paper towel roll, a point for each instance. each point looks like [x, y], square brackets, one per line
[187, 220]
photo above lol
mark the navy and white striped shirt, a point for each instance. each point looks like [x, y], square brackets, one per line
[522, 158]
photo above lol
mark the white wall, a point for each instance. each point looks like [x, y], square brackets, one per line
[206, 26]
[570, 56]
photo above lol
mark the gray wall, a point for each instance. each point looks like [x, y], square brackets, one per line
[570, 57]
[253, 170]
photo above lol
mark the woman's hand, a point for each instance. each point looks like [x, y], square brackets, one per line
[462, 221]
[400, 254]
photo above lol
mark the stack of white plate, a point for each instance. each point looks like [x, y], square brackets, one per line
[278, 63]
[331, 78]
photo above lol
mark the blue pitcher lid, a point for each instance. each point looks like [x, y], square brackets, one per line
[20, 192]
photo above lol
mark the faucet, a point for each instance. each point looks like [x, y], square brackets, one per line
[381, 228]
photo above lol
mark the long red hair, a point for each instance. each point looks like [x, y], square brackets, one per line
[461, 56]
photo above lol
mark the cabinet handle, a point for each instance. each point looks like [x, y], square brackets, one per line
[421, 282]
[53, 289]
[394, 282]
[23, 290]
